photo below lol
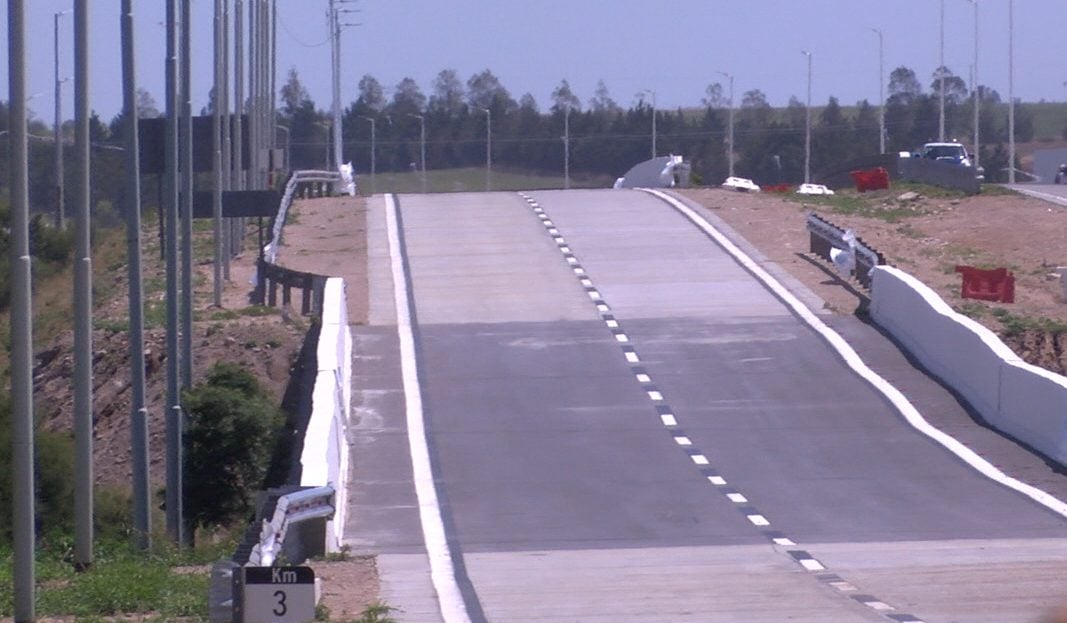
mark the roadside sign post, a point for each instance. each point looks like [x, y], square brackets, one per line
[274, 595]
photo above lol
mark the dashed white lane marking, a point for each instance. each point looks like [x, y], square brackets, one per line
[783, 541]
[681, 440]
[442, 569]
[578, 270]
[602, 307]
[736, 498]
[655, 396]
[811, 564]
[759, 520]
[718, 481]
[852, 358]
[880, 606]
[553, 231]
[668, 420]
[843, 586]
[622, 338]
[612, 324]
[632, 357]
[699, 459]
[644, 378]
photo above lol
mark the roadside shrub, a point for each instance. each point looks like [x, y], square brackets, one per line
[53, 474]
[229, 437]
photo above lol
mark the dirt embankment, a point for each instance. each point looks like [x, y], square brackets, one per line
[927, 237]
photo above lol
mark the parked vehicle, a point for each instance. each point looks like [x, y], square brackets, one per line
[946, 152]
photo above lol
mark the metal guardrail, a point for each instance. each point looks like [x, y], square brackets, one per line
[269, 275]
[825, 236]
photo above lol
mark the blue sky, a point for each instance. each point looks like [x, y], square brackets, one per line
[674, 48]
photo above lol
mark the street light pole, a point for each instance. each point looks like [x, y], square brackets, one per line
[941, 80]
[373, 152]
[1011, 91]
[653, 94]
[977, 99]
[807, 127]
[57, 128]
[881, 91]
[422, 147]
[730, 131]
[488, 149]
[567, 147]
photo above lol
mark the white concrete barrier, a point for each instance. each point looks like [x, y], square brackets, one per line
[1024, 401]
[324, 460]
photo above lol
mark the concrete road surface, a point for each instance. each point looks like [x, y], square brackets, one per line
[584, 409]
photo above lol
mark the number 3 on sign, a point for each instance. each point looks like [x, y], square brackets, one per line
[280, 609]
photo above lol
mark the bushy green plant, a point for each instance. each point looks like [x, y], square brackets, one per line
[230, 434]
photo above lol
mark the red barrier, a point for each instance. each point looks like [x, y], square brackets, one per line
[870, 179]
[987, 285]
[777, 188]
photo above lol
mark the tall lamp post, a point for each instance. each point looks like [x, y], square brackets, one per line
[653, 94]
[422, 147]
[57, 127]
[373, 153]
[881, 91]
[1011, 91]
[977, 99]
[941, 80]
[488, 149]
[730, 131]
[567, 147]
[807, 126]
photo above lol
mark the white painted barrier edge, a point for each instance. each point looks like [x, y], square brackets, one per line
[853, 360]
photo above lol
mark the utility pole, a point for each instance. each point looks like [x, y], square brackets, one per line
[730, 131]
[335, 85]
[57, 128]
[170, 209]
[186, 140]
[567, 147]
[373, 150]
[941, 80]
[881, 92]
[22, 478]
[488, 149]
[217, 133]
[807, 127]
[974, 84]
[138, 411]
[239, 93]
[1011, 91]
[83, 299]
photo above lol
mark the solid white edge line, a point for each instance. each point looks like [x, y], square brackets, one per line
[442, 571]
[903, 405]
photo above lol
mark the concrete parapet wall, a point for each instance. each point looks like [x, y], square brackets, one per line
[1026, 402]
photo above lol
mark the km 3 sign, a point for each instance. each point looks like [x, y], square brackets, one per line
[278, 595]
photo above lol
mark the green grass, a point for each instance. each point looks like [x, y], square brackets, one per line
[120, 581]
[1014, 325]
[470, 180]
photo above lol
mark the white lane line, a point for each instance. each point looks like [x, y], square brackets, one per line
[852, 358]
[843, 586]
[632, 357]
[644, 378]
[586, 282]
[578, 270]
[784, 541]
[811, 564]
[602, 307]
[655, 396]
[682, 440]
[880, 606]
[553, 231]
[621, 338]
[668, 420]
[736, 498]
[442, 570]
[699, 459]
[718, 481]
[612, 324]
[758, 520]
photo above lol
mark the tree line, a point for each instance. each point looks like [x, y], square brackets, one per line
[607, 139]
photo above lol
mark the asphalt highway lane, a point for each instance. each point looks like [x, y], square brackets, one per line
[624, 424]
